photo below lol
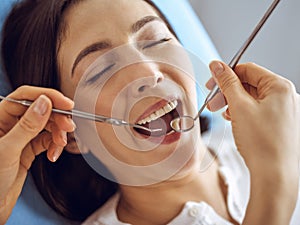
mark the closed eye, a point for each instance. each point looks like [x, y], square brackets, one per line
[98, 75]
[154, 43]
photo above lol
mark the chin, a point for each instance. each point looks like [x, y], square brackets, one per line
[190, 167]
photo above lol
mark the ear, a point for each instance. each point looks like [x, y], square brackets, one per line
[75, 146]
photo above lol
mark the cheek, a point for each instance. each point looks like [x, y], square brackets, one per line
[185, 80]
[113, 97]
[106, 98]
[121, 151]
[68, 86]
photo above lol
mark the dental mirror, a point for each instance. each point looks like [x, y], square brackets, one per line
[185, 123]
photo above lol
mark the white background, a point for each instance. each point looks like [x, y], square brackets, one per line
[277, 45]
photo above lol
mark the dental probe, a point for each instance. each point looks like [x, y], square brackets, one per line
[239, 54]
[85, 115]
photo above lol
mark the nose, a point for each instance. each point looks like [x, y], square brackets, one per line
[151, 81]
[146, 77]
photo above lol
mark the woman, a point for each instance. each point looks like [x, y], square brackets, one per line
[66, 60]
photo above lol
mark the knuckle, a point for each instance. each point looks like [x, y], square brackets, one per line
[26, 164]
[46, 140]
[4, 127]
[244, 67]
[227, 82]
[285, 86]
[250, 64]
[28, 126]
[2, 132]
[27, 158]
[21, 90]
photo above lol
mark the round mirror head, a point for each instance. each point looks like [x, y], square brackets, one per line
[182, 123]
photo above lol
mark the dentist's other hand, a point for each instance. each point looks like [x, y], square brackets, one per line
[264, 110]
[26, 132]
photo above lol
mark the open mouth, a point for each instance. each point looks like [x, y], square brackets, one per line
[160, 119]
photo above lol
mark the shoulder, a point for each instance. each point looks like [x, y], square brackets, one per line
[233, 170]
[223, 149]
[106, 215]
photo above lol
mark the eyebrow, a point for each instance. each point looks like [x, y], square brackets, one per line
[98, 46]
[102, 45]
[142, 22]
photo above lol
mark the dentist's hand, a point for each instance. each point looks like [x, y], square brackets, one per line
[264, 110]
[26, 132]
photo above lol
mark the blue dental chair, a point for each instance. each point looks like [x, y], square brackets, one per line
[31, 208]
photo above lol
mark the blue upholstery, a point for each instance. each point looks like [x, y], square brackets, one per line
[189, 28]
[30, 208]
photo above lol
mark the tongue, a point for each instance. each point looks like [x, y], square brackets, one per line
[162, 123]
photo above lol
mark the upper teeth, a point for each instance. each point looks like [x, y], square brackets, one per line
[159, 113]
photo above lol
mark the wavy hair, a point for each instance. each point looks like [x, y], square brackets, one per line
[31, 37]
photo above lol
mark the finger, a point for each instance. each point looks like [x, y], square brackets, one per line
[65, 123]
[41, 143]
[59, 136]
[45, 142]
[29, 126]
[263, 81]
[54, 152]
[217, 103]
[226, 115]
[6, 124]
[210, 84]
[251, 90]
[38, 145]
[7, 121]
[31, 93]
[9, 112]
[213, 104]
[229, 84]
[51, 127]
[254, 75]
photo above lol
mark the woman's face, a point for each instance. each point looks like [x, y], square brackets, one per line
[121, 59]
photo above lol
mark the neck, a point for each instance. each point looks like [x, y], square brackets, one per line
[160, 203]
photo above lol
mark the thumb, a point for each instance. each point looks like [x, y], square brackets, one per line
[30, 124]
[229, 83]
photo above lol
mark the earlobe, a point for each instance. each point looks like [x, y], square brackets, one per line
[75, 146]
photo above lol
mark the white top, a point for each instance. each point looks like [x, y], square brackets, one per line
[235, 175]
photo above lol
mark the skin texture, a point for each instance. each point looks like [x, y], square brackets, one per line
[72, 45]
[274, 173]
[271, 106]
[30, 142]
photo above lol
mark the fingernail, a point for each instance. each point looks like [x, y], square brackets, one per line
[217, 68]
[41, 105]
[56, 154]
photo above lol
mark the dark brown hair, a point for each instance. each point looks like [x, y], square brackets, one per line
[30, 40]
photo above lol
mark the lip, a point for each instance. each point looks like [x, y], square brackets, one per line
[154, 108]
[165, 140]
[168, 138]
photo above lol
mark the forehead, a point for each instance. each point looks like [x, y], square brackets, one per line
[92, 21]
[105, 16]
